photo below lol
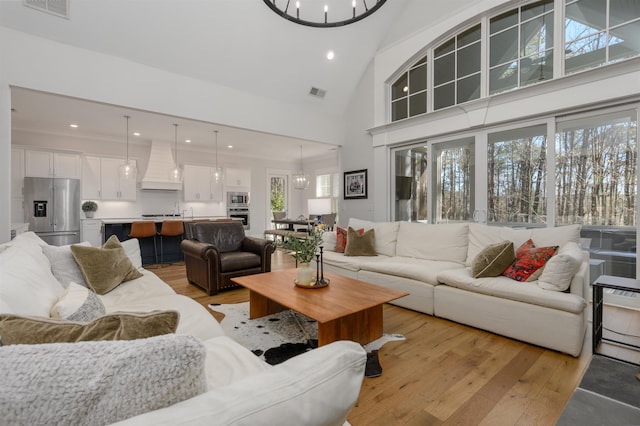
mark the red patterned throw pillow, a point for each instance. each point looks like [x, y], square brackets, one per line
[341, 239]
[529, 259]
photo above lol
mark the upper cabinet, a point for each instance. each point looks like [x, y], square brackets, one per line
[238, 178]
[198, 185]
[91, 178]
[52, 164]
[17, 172]
[112, 186]
[101, 180]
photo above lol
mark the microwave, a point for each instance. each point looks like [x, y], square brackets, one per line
[237, 199]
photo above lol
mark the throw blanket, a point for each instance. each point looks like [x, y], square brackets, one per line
[97, 383]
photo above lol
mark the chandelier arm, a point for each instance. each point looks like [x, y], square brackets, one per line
[320, 24]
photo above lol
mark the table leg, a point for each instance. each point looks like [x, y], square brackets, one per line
[260, 306]
[362, 327]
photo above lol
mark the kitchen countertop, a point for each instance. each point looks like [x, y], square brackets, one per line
[156, 219]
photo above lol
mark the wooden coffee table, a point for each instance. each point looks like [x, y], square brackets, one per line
[346, 309]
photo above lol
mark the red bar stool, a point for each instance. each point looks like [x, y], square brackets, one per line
[170, 228]
[145, 229]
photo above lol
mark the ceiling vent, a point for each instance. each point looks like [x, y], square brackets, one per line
[317, 93]
[55, 7]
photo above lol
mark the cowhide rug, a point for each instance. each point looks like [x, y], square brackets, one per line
[278, 337]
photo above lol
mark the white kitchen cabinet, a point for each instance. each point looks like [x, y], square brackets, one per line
[17, 172]
[52, 164]
[91, 230]
[198, 185]
[91, 187]
[238, 177]
[112, 187]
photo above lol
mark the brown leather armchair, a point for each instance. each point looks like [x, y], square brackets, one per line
[219, 251]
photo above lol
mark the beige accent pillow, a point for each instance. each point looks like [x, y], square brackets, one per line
[360, 245]
[16, 329]
[493, 260]
[105, 268]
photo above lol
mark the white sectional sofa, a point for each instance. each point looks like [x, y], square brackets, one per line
[316, 388]
[432, 264]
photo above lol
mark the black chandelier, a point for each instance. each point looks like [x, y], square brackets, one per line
[321, 14]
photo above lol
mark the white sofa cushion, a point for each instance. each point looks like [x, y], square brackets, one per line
[417, 269]
[27, 285]
[386, 234]
[318, 387]
[98, 382]
[560, 269]
[228, 361]
[506, 288]
[63, 266]
[78, 303]
[350, 263]
[481, 236]
[557, 236]
[446, 242]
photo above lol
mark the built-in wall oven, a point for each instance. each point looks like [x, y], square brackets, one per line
[238, 207]
[239, 213]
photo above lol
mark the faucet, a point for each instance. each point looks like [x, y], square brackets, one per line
[186, 210]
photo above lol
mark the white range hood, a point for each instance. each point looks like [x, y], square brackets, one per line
[160, 162]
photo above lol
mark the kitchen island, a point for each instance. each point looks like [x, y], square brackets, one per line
[121, 227]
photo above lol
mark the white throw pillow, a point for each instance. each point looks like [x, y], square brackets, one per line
[132, 250]
[63, 266]
[78, 303]
[27, 285]
[560, 269]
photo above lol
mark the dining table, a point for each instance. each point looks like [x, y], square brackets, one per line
[292, 222]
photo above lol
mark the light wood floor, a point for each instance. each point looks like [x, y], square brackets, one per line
[449, 374]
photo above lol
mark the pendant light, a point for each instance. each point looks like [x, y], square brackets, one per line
[300, 180]
[175, 174]
[216, 174]
[128, 170]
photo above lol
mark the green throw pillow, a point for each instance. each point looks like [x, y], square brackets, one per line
[360, 245]
[16, 329]
[104, 268]
[493, 260]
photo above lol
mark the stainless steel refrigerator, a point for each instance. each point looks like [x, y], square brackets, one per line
[52, 208]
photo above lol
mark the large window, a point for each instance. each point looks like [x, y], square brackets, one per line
[411, 173]
[597, 186]
[515, 48]
[521, 47]
[456, 69]
[454, 170]
[516, 190]
[409, 92]
[600, 31]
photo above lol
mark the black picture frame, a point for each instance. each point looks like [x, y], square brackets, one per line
[355, 185]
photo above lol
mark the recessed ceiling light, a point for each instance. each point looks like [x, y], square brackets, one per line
[229, 146]
[330, 55]
[187, 140]
[136, 133]
[75, 126]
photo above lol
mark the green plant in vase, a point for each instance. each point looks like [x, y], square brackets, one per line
[89, 208]
[304, 250]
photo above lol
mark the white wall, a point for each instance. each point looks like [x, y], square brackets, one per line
[357, 153]
[40, 64]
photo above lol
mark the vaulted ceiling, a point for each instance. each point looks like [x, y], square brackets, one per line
[240, 44]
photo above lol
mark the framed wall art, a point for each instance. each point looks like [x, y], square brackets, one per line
[355, 184]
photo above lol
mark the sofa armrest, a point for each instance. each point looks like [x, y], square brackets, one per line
[199, 250]
[318, 387]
